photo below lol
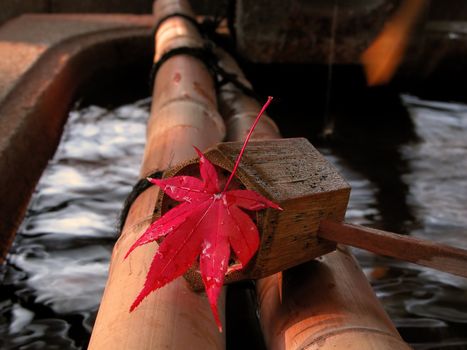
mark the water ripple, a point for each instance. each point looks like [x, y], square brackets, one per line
[57, 268]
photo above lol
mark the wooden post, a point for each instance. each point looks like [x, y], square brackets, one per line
[183, 113]
[325, 304]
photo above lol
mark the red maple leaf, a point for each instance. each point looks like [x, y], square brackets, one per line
[208, 223]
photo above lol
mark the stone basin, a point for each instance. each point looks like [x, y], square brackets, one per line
[44, 62]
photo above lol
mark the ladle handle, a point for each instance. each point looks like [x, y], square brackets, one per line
[422, 252]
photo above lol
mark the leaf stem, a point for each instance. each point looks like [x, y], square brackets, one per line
[237, 162]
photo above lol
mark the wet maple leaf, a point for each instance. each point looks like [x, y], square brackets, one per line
[209, 223]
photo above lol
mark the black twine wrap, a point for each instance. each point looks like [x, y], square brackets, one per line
[204, 54]
[190, 19]
[141, 186]
[210, 60]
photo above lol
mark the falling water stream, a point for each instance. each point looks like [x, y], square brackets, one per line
[328, 122]
[52, 282]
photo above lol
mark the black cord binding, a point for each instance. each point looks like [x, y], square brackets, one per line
[204, 54]
[172, 15]
[141, 186]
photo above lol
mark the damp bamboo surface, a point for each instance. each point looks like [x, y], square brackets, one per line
[239, 110]
[323, 304]
[183, 114]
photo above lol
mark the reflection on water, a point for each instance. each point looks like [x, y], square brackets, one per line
[57, 269]
[428, 307]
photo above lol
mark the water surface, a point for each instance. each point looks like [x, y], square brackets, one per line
[56, 271]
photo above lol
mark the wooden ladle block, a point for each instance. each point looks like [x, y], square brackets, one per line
[293, 174]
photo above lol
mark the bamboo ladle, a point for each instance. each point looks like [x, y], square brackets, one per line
[419, 251]
[314, 196]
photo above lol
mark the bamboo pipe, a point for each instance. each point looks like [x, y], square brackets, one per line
[325, 304]
[239, 110]
[183, 114]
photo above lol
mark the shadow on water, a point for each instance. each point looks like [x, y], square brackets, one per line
[370, 125]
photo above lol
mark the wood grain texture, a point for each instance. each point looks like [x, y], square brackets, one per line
[418, 251]
[293, 174]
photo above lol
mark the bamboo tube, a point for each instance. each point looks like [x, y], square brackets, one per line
[183, 114]
[325, 304]
[239, 110]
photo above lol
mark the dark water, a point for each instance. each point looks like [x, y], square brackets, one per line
[428, 307]
[56, 271]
